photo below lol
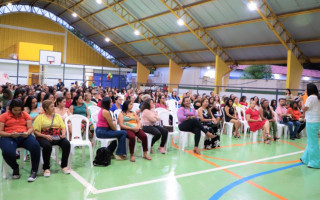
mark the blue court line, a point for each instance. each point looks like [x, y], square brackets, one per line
[224, 190]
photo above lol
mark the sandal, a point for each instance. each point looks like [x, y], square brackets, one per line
[46, 173]
[196, 151]
[276, 139]
[147, 157]
[268, 136]
[66, 170]
[267, 141]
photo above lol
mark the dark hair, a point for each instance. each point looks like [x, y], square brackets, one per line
[242, 98]
[58, 101]
[7, 94]
[258, 99]
[182, 103]
[16, 103]
[281, 99]
[289, 90]
[75, 99]
[226, 103]
[29, 102]
[268, 108]
[17, 92]
[105, 103]
[203, 99]
[46, 97]
[292, 103]
[39, 96]
[125, 106]
[159, 98]
[272, 101]
[146, 105]
[312, 89]
[172, 94]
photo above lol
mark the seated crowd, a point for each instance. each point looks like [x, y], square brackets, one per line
[33, 117]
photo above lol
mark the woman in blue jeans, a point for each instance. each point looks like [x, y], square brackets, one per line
[107, 129]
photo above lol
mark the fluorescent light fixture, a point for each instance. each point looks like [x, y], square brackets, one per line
[136, 32]
[180, 22]
[99, 1]
[276, 76]
[9, 4]
[252, 5]
[107, 39]
[74, 14]
[208, 67]
[306, 78]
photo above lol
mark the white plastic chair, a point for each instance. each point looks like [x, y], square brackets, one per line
[172, 104]
[103, 141]
[116, 113]
[158, 110]
[281, 127]
[255, 135]
[76, 139]
[244, 123]
[164, 116]
[94, 109]
[228, 125]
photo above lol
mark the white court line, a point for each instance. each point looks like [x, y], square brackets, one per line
[95, 191]
[84, 182]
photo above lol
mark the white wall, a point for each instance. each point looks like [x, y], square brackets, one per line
[11, 70]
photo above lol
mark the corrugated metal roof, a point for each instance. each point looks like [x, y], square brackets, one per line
[211, 13]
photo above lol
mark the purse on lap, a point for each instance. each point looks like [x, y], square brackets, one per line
[55, 132]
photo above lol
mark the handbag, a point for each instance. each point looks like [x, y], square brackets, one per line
[51, 131]
[286, 119]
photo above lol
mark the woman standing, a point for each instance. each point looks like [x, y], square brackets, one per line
[150, 120]
[311, 108]
[50, 130]
[106, 128]
[130, 122]
[267, 114]
[256, 123]
[187, 118]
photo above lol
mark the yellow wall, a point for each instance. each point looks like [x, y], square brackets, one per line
[294, 72]
[222, 69]
[31, 51]
[77, 51]
[142, 74]
[175, 74]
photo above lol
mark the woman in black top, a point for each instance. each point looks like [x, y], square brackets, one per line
[267, 114]
[230, 116]
[273, 104]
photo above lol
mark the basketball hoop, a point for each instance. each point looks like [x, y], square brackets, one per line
[50, 59]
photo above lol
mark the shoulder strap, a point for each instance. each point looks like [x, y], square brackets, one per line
[54, 114]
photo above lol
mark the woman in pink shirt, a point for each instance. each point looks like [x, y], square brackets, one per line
[161, 102]
[188, 121]
[150, 119]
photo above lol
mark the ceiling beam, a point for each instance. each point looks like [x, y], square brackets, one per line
[96, 24]
[198, 3]
[144, 31]
[274, 61]
[33, 2]
[95, 13]
[274, 23]
[47, 5]
[232, 47]
[287, 15]
[197, 29]
[70, 8]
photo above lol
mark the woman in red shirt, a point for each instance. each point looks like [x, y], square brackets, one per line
[15, 131]
[256, 123]
[296, 115]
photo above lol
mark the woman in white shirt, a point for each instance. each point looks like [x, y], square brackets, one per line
[311, 108]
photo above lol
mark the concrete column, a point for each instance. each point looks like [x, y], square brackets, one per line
[175, 74]
[222, 72]
[142, 74]
[294, 72]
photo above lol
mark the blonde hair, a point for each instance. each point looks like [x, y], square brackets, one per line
[86, 96]
[46, 104]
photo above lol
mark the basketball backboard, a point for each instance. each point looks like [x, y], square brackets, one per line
[50, 57]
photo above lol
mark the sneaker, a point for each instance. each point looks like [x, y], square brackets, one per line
[161, 149]
[16, 174]
[32, 177]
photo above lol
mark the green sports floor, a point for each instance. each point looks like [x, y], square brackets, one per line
[239, 169]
